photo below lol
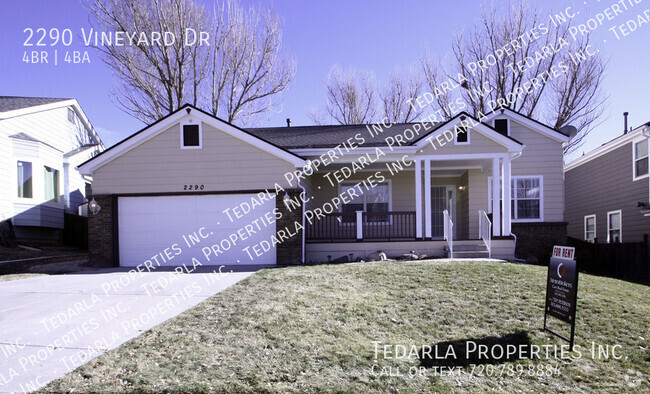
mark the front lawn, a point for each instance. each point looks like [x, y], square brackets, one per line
[312, 329]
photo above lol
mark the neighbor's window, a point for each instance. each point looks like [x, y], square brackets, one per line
[24, 179]
[51, 178]
[191, 137]
[462, 134]
[614, 227]
[376, 199]
[641, 158]
[526, 198]
[590, 228]
[501, 125]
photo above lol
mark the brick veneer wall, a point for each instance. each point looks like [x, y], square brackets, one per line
[289, 252]
[100, 233]
[535, 240]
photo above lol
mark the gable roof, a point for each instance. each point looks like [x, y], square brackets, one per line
[12, 103]
[533, 124]
[165, 122]
[29, 138]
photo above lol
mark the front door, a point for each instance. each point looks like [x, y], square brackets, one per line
[442, 198]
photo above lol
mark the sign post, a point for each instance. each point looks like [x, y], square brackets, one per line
[562, 289]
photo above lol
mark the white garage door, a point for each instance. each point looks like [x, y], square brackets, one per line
[166, 229]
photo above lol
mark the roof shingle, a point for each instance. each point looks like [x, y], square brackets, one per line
[11, 103]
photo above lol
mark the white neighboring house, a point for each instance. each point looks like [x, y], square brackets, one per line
[42, 140]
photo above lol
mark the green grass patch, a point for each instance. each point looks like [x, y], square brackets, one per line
[312, 329]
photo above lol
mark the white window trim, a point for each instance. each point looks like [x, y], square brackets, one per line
[620, 228]
[354, 182]
[192, 122]
[502, 118]
[634, 159]
[456, 135]
[585, 226]
[513, 212]
[14, 182]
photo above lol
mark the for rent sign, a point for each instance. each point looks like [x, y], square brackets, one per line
[562, 288]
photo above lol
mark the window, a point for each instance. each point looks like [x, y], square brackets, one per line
[641, 158]
[24, 179]
[51, 181]
[526, 193]
[375, 199]
[71, 115]
[614, 227]
[501, 125]
[191, 136]
[590, 228]
[462, 135]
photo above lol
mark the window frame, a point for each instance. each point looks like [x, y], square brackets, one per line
[72, 115]
[365, 204]
[191, 122]
[636, 177]
[19, 198]
[513, 192]
[620, 225]
[467, 129]
[507, 125]
[57, 186]
[595, 231]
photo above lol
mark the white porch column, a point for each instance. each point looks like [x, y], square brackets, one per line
[496, 214]
[427, 199]
[507, 214]
[418, 199]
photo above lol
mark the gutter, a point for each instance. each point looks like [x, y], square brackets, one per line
[646, 133]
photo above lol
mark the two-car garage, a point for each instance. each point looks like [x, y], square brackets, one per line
[172, 230]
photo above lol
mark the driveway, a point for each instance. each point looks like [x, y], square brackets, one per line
[51, 325]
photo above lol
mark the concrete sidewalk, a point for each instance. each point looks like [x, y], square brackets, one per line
[51, 325]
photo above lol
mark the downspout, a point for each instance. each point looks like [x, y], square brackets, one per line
[517, 155]
[304, 229]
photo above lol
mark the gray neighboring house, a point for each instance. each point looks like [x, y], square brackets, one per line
[607, 191]
[42, 140]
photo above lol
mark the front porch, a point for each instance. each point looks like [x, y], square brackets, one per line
[438, 206]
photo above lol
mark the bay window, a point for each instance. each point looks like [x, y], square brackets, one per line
[24, 179]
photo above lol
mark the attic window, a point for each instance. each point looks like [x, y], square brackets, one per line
[191, 136]
[462, 135]
[501, 125]
[71, 115]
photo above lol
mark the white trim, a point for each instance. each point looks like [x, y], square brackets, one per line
[418, 199]
[635, 159]
[585, 227]
[175, 118]
[496, 182]
[427, 199]
[489, 133]
[464, 156]
[506, 207]
[501, 117]
[634, 135]
[620, 225]
[190, 122]
[531, 124]
[348, 182]
[468, 142]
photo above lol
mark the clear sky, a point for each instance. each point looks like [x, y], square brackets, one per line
[377, 35]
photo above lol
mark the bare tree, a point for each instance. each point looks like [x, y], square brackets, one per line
[152, 77]
[434, 76]
[248, 68]
[351, 97]
[398, 94]
[506, 76]
[237, 76]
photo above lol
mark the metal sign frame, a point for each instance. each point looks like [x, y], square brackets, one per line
[565, 254]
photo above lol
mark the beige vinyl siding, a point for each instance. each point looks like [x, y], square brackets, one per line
[478, 144]
[159, 165]
[542, 156]
[477, 191]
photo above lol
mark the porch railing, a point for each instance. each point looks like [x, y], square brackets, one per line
[485, 230]
[448, 232]
[363, 226]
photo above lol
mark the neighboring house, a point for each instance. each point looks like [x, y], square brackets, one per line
[192, 186]
[42, 140]
[607, 191]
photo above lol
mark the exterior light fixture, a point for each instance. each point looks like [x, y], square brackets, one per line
[286, 200]
[462, 188]
[93, 207]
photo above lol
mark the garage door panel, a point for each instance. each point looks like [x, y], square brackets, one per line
[149, 225]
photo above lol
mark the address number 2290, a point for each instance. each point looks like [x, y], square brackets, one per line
[193, 187]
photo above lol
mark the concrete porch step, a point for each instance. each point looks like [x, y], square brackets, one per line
[471, 254]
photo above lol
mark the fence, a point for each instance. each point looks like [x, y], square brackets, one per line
[629, 261]
[75, 230]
